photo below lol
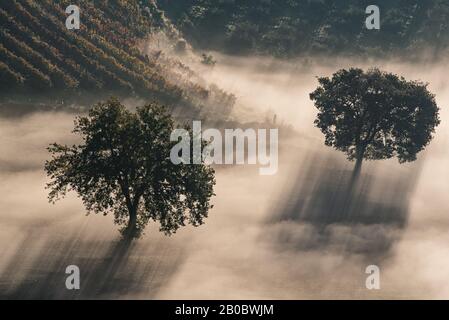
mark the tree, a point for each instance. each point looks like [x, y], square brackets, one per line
[123, 167]
[375, 115]
[208, 60]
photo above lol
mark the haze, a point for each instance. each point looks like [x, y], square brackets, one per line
[268, 237]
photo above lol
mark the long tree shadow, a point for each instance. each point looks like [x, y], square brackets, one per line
[322, 210]
[120, 269]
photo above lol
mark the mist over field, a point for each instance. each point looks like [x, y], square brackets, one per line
[286, 236]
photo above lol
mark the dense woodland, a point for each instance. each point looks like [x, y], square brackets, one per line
[287, 28]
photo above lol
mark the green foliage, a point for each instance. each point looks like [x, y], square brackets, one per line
[100, 59]
[375, 115]
[9, 77]
[34, 78]
[102, 55]
[208, 60]
[288, 28]
[58, 77]
[123, 167]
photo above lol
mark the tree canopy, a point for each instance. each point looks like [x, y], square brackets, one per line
[375, 115]
[123, 167]
[288, 28]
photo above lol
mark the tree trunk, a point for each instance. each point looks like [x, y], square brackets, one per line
[131, 229]
[357, 170]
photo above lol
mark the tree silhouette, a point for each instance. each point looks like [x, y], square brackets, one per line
[123, 167]
[375, 115]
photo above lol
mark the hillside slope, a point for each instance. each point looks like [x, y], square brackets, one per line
[40, 59]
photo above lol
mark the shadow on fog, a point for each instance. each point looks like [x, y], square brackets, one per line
[323, 211]
[108, 269]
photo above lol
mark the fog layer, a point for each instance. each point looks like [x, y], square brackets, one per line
[293, 235]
